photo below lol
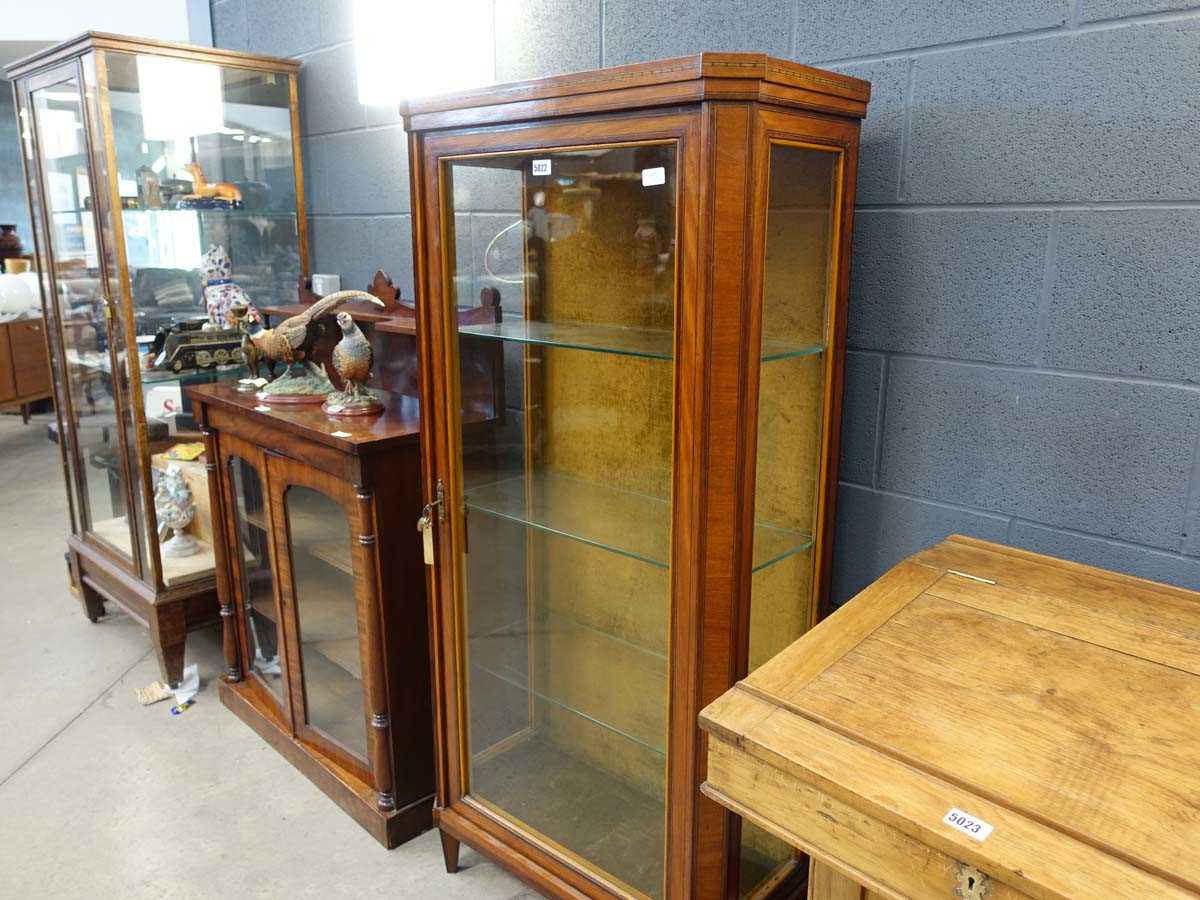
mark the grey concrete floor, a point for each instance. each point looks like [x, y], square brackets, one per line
[101, 797]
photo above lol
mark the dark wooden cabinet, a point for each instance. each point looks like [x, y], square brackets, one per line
[651, 516]
[24, 366]
[322, 595]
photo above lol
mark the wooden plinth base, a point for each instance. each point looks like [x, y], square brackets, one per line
[356, 798]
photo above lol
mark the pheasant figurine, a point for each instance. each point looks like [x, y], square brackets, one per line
[352, 358]
[292, 342]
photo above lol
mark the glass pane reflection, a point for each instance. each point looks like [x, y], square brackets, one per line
[79, 295]
[568, 494]
[797, 293]
[263, 638]
[327, 616]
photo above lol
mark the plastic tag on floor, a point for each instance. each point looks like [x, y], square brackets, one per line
[189, 687]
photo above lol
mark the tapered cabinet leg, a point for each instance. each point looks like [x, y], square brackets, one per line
[168, 630]
[93, 605]
[450, 852]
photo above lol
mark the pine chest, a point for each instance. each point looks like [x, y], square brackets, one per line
[982, 722]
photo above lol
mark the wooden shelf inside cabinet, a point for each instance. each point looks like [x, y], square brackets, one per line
[337, 500]
[647, 514]
[118, 186]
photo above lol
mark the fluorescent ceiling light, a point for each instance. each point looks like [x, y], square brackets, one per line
[180, 98]
[418, 48]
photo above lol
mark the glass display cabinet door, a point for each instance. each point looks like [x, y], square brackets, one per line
[325, 648]
[566, 600]
[799, 292]
[92, 345]
[262, 636]
[206, 177]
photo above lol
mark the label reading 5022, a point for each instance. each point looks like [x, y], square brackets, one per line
[968, 824]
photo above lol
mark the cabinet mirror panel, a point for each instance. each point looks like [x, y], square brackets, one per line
[799, 287]
[264, 640]
[326, 617]
[567, 492]
[79, 297]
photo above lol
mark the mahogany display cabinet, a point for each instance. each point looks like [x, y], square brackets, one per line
[651, 517]
[128, 145]
[323, 597]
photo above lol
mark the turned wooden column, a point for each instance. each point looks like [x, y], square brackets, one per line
[229, 639]
[379, 737]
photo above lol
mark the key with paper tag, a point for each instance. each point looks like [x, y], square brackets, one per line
[425, 526]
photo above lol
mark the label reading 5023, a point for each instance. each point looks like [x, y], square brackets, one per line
[968, 824]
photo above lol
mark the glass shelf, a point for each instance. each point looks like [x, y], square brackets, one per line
[649, 343]
[633, 525]
[495, 653]
[280, 214]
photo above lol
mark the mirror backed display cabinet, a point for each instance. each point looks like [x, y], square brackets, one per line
[141, 158]
[650, 518]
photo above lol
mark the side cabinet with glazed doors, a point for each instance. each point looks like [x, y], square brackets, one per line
[652, 516]
[323, 602]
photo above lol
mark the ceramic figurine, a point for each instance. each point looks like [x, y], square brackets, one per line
[352, 359]
[221, 292]
[175, 509]
[244, 316]
[292, 342]
[218, 195]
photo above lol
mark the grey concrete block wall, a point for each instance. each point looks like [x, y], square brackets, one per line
[1024, 360]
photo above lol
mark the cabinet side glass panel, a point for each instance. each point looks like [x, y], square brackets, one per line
[78, 296]
[567, 494]
[798, 288]
[206, 180]
[263, 639]
[49, 293]
[327, 617]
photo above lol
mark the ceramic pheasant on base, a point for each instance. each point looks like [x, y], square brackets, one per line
[292, 340]
[352, 358]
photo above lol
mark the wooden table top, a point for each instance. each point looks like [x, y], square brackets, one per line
[1056, 702]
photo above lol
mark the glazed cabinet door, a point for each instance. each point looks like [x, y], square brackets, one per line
[252, 570]
[57, 125]
[803, 165]
[561, 503]
[315, 522]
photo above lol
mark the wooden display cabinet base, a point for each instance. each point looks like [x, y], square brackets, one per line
[168, 616]
[356, 798]
[462, 823]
